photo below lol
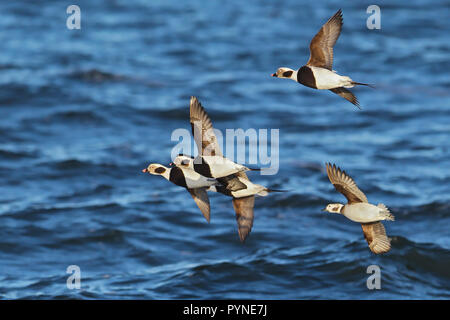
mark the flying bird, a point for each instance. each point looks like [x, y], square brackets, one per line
[318, 72]
[232, 179]
[195, 183]
[210, 161]
[358, 209]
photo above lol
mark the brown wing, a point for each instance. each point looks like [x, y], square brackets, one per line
[232, 183]
[244, 215]
[346, 94]
[321, 46]
[345, 184]
[203, 130]
[376, 237]
[201, 199]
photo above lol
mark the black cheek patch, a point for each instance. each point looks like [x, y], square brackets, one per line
[287, 74]
[160, 170]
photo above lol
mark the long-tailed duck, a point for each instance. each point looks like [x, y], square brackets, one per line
[210, 162]
[359, 210]
[236, 185]
[318, 72]
[195, 183]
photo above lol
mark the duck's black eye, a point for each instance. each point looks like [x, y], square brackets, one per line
[160, 170]
[287, 74]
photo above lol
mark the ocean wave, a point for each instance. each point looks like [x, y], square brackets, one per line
[78, 117]
[95, 75]
[437, 209]
[17, 154]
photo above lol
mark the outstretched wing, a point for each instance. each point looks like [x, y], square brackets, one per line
[203, 130]
[346, 94]
[376, 237]
[345, 184]
[202, 200]
[244, 215]
[321, 46]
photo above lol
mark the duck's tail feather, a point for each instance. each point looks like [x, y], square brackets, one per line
[363, 84]
[385, 212]
[264, 192]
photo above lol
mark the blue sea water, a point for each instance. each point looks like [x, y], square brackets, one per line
[83, 111]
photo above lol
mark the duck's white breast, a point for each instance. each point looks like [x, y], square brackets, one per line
[362, 212]
[326, 79]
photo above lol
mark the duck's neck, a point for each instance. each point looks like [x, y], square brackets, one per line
[294, 75]
[166, 174]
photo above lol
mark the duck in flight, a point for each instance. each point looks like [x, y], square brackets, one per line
[318, 72]
[358, 209]
[195, 183]
[210, 161]
[233, 181]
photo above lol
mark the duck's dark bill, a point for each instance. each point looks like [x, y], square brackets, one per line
[273, 75]
[144, 170]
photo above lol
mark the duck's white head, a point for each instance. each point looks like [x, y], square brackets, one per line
[184, 162]
[334, 207]
[285, 73]
[156, 169]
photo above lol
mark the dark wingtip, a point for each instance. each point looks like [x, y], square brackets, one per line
[339, 15]
[355, 102]
[242, 236]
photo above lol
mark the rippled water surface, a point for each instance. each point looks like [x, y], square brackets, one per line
[83, 111]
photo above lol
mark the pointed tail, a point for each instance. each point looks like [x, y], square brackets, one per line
[385, 212]
[268, 190]
[276, 190]
[363, 84]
